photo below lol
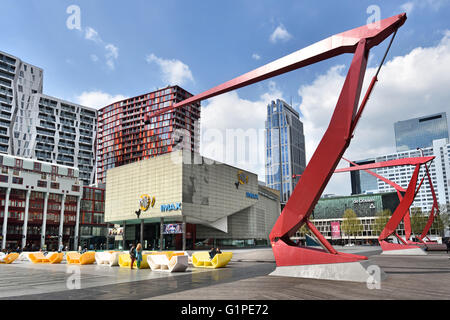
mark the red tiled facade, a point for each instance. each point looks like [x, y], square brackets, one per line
[124, 138]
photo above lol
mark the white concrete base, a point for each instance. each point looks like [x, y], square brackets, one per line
[349, 271]
[406, 252]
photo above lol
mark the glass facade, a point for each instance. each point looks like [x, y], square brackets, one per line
[363, 182]
[420, 132]
[363, 205]
[285, 148]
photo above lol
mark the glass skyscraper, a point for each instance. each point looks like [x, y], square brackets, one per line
[420, 132]
[283, 127]
[363, 182]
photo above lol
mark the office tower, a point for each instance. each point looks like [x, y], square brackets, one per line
[401, 175]
[420, 132]
[124, 138]
[37, 126]
[283, 127]
[363, 182]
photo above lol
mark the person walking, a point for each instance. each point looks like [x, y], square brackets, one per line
[132, 255]
[138, 255]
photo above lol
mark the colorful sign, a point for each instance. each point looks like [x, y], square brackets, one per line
[171, 207]
[173, 228]
[251, 195]
[115, 231]
[242, 177]
[335, 230]
[146, 201]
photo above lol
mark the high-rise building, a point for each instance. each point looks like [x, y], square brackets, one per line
[363, 182]
[420, 132]
[283, 127]
[401, 175]
[124, 138]
[37, 126]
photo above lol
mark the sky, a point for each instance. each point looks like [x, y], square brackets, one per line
[98, 52]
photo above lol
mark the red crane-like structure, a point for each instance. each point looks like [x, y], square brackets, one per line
[406, 200]
[335, 141]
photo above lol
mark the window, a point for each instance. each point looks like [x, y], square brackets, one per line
[19, 163]
[3, 178]
[37, 166]
[42, 184]
[17, 180]
[54, 170]
[54, 185]
[76, 188]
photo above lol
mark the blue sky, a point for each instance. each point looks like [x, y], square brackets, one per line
[215, 39]
[127, 48]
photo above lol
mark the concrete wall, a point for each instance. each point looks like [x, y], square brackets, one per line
[159, 177]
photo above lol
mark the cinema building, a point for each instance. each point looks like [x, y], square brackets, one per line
[181, 200]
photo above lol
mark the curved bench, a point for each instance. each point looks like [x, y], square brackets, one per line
[110, 258]
[76, 258]
[10, 258]
[125, 261]
[201, 259]
[171, 262]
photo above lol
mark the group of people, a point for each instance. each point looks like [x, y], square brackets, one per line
[136, 255]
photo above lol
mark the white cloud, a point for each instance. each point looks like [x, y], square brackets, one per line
[434, 5]
[407, 7]
[174, 72]
[256, 56]
[94, 57]
[112, 53]
[408, 86]
[230, 114]
[280, 34]
[92, 34]
[98, 99]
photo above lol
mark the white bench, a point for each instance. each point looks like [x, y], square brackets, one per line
[107, 258]
[160, 262]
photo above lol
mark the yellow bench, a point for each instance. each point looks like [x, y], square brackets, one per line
[52, 257]
[201, 259]
[125, 261]
[37, 257]
[10, 258]
[76, 258]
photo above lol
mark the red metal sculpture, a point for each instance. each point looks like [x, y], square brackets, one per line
[397, 213]
[358, 41]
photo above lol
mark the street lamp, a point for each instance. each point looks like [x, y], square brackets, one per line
[138, 213]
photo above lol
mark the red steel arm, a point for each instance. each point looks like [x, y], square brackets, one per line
[434, 208]
[345, 42]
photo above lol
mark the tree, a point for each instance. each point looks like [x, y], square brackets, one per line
[351, 225]
[381, 219]
[418, 220]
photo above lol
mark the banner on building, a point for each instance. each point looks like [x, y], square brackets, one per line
[173, 228]
[335, 230]
[115, 231]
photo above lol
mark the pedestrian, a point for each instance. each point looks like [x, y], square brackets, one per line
[218, 251]
[138, 255]
[212, 253]
[132, 255]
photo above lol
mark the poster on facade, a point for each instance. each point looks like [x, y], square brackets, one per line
[173, 228]
[335, 230]
[115, 231]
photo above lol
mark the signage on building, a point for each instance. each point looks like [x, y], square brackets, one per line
[146, 202]
[251, 195]
[115, 231]
[171, 207]
[173, 228]
[242, 177]
[335, 230]
[363, 200]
